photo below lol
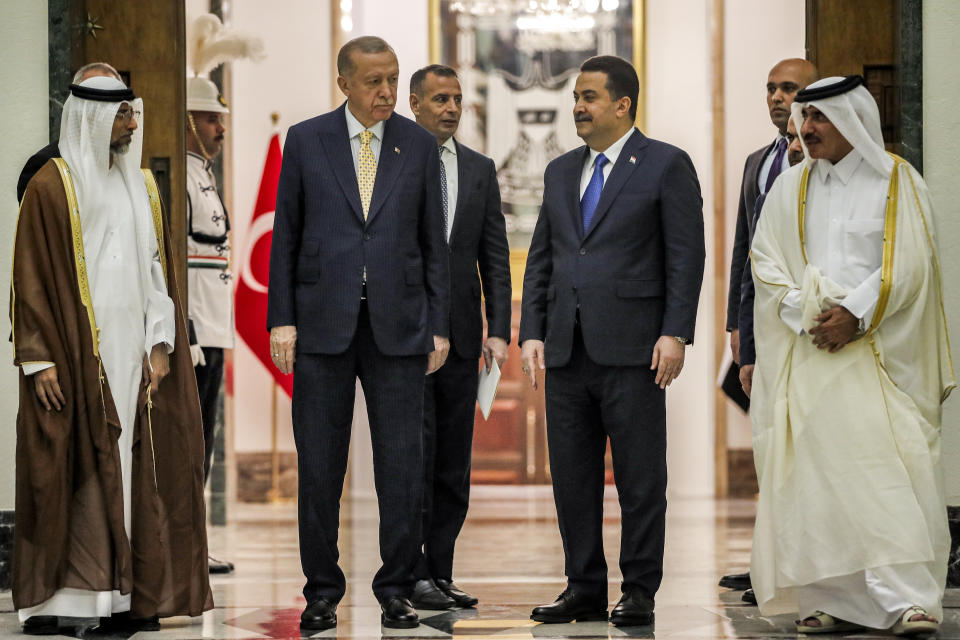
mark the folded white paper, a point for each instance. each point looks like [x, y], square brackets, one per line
[487, 389]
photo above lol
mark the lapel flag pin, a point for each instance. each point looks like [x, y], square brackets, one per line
[396, 149]
[633, 159]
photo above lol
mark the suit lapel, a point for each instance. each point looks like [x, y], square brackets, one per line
[755, 180]
[336, 142]
[622, 169]
[573, 172]
[388, 167]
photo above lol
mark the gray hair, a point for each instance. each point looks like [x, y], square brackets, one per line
[364, 44]
[102, 67]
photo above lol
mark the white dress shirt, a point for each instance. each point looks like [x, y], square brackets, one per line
[448, 156]
[354, 129]
[843, 233]
[768, 163]
[612, 153]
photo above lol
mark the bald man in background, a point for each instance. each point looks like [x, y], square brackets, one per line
[759, 172]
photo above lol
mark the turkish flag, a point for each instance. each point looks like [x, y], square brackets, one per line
[251, 296]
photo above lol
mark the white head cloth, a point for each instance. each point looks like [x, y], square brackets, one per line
[86, 127]
[856, 117]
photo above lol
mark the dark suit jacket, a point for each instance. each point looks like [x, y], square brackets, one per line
[33, 165]
[740, 297]
[741, 244]
[478, 240]
[321, 242]
[636, 273]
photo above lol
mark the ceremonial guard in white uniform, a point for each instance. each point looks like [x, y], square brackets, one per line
[209, 279]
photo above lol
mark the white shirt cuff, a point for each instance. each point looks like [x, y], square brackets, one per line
[862, 301]
[790, 311]
[35, 367]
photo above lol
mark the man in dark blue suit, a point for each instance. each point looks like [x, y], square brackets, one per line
[359, 283]
[609, 303]
[479, 254]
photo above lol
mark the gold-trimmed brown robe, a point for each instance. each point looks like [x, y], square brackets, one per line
[69, 530]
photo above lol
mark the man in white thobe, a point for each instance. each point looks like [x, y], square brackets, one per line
[852, 366]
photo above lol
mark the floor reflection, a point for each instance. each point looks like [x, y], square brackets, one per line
[509, 556]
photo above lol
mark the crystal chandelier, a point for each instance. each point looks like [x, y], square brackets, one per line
[549, 16]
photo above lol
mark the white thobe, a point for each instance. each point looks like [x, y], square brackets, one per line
[128, 318]
[844, 233]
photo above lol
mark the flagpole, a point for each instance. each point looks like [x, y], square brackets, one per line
[274, 493]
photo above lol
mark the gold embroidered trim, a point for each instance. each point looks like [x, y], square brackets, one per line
[889, 241]
[802, 210]
[83, 282]
[153, 451]
[157, 212]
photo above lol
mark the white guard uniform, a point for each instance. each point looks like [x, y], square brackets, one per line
[208, 258]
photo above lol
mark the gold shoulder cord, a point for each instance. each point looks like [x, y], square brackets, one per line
[157, 212]
[83, 283]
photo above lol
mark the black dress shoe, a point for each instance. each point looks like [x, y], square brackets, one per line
[736, 581]
[427, 595]
[123, 623]
[41, 626]
[749, 597]
[572, 605]
[634, 610]
[219, 566]
[319, 614]
[398, 613]
[462, 598]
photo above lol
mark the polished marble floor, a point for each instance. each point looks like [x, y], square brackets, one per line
[509, 555]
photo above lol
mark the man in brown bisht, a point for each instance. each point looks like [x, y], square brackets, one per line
[109, 505]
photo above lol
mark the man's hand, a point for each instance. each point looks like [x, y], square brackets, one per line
[668, 356]
[735, 345]
[531, 357]
[46, 383]
[283, 344]
[494, 347]
[837, 327]
[441, 347]
[746, 378]
[157, 367]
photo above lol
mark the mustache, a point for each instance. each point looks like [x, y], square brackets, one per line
[811, 138]
[218, 139]
[583, 118]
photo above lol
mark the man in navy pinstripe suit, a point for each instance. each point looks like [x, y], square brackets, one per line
[359, 284]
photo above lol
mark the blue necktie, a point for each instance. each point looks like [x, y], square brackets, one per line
[777, 165]
[588, 204]
[443, 191]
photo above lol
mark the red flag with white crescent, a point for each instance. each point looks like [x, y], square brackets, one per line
[251, 296]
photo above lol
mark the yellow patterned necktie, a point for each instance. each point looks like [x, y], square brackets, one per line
[366, 170]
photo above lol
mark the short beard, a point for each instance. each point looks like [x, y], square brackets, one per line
[119, 148]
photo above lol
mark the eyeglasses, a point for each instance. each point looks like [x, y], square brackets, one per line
[126, 115]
